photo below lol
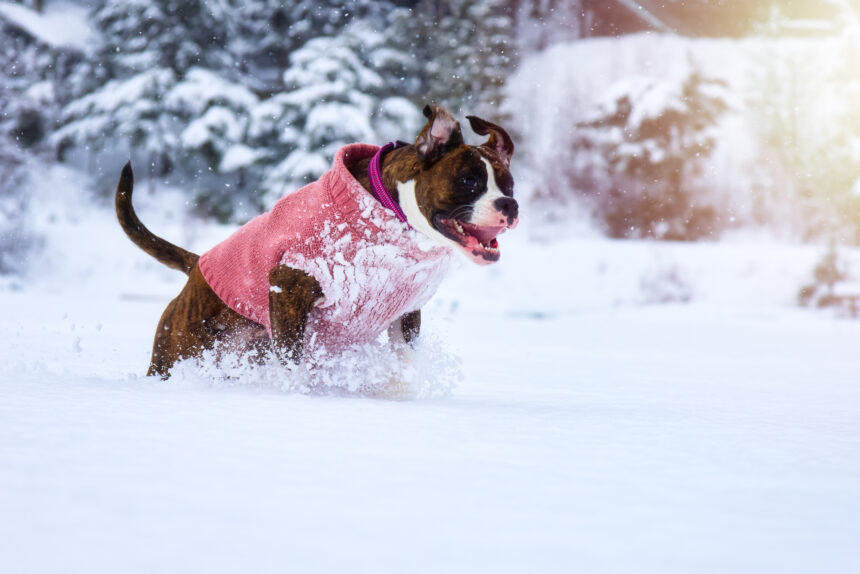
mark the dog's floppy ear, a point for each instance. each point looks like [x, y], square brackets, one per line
[442, 133]
[500, 142]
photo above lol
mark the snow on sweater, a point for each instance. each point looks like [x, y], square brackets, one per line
[372, 268]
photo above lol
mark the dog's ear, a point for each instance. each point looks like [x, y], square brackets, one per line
[500, 142]
[442, 133]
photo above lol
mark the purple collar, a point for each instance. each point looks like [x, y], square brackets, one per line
[377, 188]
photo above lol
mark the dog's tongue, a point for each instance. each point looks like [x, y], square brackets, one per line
[484, 233]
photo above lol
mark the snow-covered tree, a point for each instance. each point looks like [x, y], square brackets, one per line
[147, 49]
[239, 102]
[268, 31]
[639, 158]
[213, 142]
[13, 197]
[128, 113]
[187, 89]
[334, 96]
[139, 35]
[466, 49]
[17, 239]
[494, 52]
[34, 65]
[35, 75]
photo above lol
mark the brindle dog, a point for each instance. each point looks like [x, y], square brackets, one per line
[460, 195]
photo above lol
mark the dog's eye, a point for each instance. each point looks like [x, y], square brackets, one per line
[468, 183]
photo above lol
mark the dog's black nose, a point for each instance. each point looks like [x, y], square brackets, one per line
[509, 208]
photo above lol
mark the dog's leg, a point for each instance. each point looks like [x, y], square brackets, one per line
[183, 330]
[406, 329]
[402, 334]
[165, 351]
[292, 296]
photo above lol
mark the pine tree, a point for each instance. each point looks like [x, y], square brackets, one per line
[140, 35]
[14, 236]
[334, 96]
[268, 31]
[28, 108]
[34, 79]
[16, 240]
[467, 50]
[233, 112]
[495, 55]
[638, 159]
[147, 50]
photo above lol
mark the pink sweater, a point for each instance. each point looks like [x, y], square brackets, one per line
[372, 268]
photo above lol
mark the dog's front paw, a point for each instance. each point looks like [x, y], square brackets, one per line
[395, 389]
[400, 385]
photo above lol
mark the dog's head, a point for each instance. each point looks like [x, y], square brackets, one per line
[462, 195]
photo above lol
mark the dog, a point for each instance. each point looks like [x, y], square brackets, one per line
[341, 260]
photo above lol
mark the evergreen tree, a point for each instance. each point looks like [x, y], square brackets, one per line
[233, 112]
[638, 160]
[466, 50]
[212, 145]
[34, 80]
[127, 114]
[147, 49]
[28, 109]
[268, 31]
[333, 97]
[140, 35]
[14, 240]
[239, 102]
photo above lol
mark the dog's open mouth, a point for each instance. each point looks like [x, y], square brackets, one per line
[477, 241]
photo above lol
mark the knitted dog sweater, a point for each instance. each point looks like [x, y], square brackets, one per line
[372, 268]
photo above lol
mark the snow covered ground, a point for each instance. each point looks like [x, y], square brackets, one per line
[621, 407]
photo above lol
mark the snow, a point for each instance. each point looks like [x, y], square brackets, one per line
[61, 25]
[585, 405]
[120, 101]
[298, 165]
[589, 430]
[339, 121]
[218, 121]
[397, 116]
[40, 92]
[324, 58]
[201, 88]
[238, 156]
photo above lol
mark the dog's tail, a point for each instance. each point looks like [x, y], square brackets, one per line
[169, 254]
